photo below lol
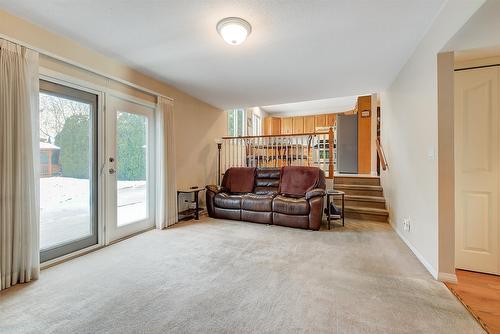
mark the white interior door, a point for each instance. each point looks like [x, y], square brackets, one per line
[477, 169]
[129, 167]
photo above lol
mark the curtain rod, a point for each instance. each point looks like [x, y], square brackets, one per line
[83, 67]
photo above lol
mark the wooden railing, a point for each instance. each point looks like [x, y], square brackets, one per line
[381, 155]
[305, 149]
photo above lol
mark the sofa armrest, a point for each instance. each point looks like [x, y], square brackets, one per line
[213, 188]
[317, 192]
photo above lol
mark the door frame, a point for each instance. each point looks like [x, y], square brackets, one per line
[71, 81]
[65, 251]
[113, 232]
[457, 182]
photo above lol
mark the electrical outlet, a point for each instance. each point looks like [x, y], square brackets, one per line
[406, 224]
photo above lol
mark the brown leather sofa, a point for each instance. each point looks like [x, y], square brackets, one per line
[291, 196]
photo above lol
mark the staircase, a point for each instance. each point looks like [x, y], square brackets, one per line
[364, 197]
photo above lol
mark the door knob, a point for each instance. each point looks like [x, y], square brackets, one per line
[112, 171]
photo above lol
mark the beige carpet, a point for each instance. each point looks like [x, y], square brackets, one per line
[233, 277]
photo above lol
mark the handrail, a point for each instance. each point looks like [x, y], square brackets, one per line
[381, 155]
[303, 149]
[284, 135]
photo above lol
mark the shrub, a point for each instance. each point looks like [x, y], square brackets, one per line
[131, 146]
[74, 143]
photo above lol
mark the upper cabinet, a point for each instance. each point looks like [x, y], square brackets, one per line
[320, 121]
[309, 124]
[297, 124]
[330, 119]
[272, 126]
[286, 125]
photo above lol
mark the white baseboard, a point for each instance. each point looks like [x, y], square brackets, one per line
[419, 256]
[447, 277]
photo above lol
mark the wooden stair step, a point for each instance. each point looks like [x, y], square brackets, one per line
[360, 190]
[366, 180]
[356, 186]
[366, 213]
[365, 209]
[362, 201]
[365, 198]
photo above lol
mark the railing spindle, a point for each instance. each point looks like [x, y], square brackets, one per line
[309, 149]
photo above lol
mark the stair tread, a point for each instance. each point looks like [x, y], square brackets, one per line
[364, 209]
[356, 176]
[356, 186]
[365, 198]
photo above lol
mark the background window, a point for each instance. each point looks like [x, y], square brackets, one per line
[236, 122]
[257, 125]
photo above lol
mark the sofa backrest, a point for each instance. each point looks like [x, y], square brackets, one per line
[297, 180]
[239, 179]
[267, 181]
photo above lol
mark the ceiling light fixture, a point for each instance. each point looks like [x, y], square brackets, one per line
[234, 30]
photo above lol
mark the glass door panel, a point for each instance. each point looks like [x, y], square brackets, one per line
[130, 173]
[131, 167]
[68, 170]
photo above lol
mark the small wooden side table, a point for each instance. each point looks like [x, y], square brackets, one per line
[190, 212]
[331, 193]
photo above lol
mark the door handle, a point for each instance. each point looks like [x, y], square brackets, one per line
[112, 171]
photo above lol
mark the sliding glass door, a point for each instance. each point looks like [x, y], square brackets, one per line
[68, 170]
[130, 173]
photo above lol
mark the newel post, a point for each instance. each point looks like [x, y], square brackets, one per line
[219, 147]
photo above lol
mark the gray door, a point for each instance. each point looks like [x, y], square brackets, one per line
[68, 170]
[347, 144]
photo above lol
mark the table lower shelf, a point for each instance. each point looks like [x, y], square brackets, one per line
[189, 213]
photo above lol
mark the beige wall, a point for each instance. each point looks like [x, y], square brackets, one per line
[197, 124]
[446, 166]
[410, 139]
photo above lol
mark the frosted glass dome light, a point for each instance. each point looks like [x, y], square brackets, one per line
[234, 30]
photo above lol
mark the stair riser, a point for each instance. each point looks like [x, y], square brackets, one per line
[366, 204]
[366, 216]
[368, 181]
[363, 192]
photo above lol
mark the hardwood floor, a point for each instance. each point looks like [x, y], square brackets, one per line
[480, 293]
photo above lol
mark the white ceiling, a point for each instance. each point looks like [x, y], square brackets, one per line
[299, 50]
[314, 107]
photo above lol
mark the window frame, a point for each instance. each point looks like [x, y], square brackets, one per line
[256, 125]
[236, 117]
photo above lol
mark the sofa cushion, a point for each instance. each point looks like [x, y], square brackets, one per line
[239, 179]
[257, 217]
[296, 221]
[290, 206]
[253, 202]
[228, 201]
[227, 213]
[297, 180]
[267, 181]
[268, 173]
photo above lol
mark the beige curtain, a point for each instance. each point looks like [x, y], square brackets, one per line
[19, 156]
[166, 192]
